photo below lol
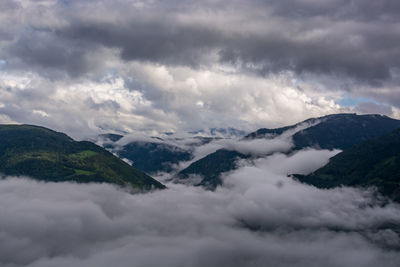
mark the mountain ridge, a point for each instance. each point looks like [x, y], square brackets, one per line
[335, 131]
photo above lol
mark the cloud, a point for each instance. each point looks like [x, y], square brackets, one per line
[371, 107]
[190, 65]
[334, 38]
[154, 99]
[258, 146]
[301, 162]
[261, 146]
[260, 217]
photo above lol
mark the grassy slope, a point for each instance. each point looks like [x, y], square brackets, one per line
[47, 155]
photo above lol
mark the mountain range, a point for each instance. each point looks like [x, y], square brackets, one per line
[338, 131]
[155, 154]
[370, 155]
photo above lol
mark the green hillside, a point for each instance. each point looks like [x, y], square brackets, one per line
[372, 163]
[47, 155]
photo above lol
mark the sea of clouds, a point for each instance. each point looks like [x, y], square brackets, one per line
[260, 217]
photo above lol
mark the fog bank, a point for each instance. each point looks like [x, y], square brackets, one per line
[259, 218]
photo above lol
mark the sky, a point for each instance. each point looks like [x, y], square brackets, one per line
[90, 66]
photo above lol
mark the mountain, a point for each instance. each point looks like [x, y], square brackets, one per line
[47, 155]
[210, 168]
[152, 157]
[270, 133]
[342, 131]
[154, 154]
[337, 131]
[375, 162]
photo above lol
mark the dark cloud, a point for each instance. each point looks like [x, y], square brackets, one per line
[358, 10]
[46, 53]
[297, 37]
[159, 40]
[356, 39]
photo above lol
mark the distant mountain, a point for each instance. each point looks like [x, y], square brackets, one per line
[342, 131]
[154, 154]
[210, 168]
[375, 162]
[153, 157]
[270, 133]
[47, 155]
[338, 131]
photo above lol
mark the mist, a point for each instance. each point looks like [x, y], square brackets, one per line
[259, 217]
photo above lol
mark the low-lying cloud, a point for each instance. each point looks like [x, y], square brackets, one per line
[259, 217]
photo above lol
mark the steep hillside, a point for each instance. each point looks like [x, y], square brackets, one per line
[375, 162]
[47, 155]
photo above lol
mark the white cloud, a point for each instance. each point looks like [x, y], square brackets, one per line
[40, 112]
[300, 162]
[159, 99]
[65, 224]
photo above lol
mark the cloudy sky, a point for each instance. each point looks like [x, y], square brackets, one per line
[92, 66]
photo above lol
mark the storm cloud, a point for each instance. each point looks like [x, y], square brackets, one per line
[189, 65]
[355, 39]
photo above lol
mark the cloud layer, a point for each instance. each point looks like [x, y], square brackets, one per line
[305, 36]
[259, 218]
